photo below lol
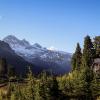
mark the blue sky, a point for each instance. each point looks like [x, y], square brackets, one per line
[57, 23]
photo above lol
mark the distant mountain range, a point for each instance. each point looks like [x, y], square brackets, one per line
[20, 53]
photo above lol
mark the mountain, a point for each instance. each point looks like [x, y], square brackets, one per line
[57, 61]
[12, 58]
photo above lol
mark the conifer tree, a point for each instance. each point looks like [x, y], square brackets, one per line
[97, 45]
[95, 86]
[11, 71]
[3, 67]
[37, 95]
[88, 52]
[77, 57]
[73, 62]
[44, 87]
[54, 89]
[30, 85]
[87, 77]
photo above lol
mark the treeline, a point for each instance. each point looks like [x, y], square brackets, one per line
[43, 87]
[84, 58]
[82, 83]
[6, 70]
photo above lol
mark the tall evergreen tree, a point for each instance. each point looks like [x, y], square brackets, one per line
[77, 57]
[97, 45]
[37, 95]
[54, 89]
[3, 67]
[87, 77]
[95, 86]
[11, 71]
[30, 86]
[73, 62]
[87, 61]
[44, 86]
[88, 52]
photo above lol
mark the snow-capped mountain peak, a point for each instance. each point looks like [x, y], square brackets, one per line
[11, 39]
[39, 55]
[37, 45]
[15, 42]
[25, 42]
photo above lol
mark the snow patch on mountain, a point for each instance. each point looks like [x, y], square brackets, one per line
[52, 48]
[23, 47]
[35, 52]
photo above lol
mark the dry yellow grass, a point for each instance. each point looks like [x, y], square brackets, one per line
[3, 90]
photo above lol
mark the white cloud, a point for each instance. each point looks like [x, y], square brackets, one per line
[52, 48]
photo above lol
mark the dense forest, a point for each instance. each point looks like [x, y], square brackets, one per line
[82, 83]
